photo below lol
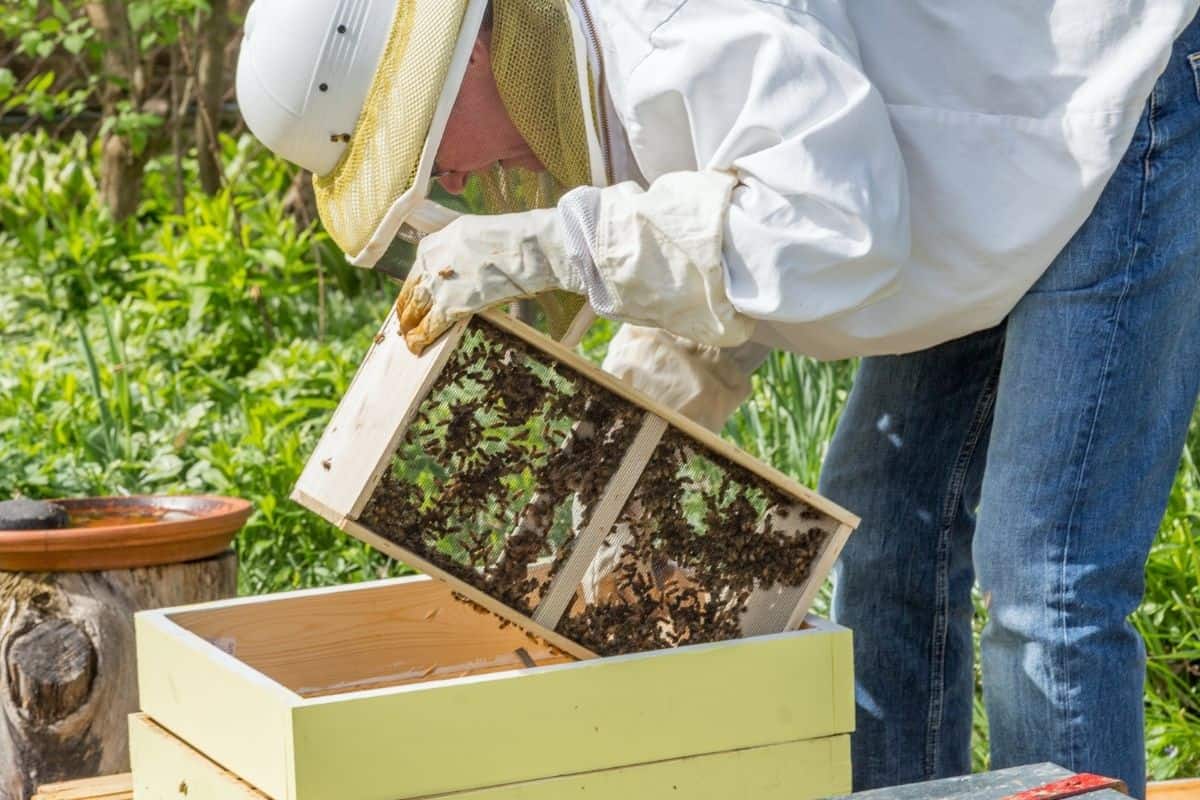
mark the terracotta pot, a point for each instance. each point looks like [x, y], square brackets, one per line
[124, 532]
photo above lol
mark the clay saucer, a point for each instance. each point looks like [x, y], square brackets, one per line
[123, 532]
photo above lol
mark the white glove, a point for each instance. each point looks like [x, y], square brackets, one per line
[651, 257]
[704, 383]
[479, 261]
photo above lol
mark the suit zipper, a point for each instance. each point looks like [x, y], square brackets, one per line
[601, 93]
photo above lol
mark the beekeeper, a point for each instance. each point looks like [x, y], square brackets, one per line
[834, 179]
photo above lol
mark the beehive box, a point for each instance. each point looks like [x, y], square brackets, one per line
[393, 689]
[562, 499]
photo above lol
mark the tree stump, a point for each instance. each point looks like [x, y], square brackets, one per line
[68, 677]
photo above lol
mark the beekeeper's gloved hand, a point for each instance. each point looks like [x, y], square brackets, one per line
[704, 383]
[476, 262]
[651, 257]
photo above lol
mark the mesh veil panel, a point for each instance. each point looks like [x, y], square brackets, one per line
[380, 163]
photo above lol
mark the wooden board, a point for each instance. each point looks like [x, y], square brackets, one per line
[106, 787]
[241, 716]
[371, 636]
[384, 399]
[369, 421]
[165, 767]
[793, 770]
[593, 715]
[438, 736]
[120, 787]
[1185, 789]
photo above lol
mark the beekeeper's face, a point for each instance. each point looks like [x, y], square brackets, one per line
[479, 131]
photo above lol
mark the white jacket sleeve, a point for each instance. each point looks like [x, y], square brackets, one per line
[653, 257]
[772, 93]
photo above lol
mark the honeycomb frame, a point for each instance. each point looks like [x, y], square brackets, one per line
[653, 490]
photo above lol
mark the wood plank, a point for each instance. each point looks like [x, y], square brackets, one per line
[588, 542]
[105, 787]
[704, 436]
[788, 771]
[403, 631]
[367, 425]
[358, 444]
[829, 556]
[365, 534]
[166, 768]
[573, 718]
[1184, 789]
[581, 717]
[205, 695]
[579, 326]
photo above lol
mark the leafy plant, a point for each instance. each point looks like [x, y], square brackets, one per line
[193, 352]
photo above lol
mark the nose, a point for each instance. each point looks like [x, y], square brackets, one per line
[453, 182]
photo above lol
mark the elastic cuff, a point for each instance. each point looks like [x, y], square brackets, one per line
[578, 213]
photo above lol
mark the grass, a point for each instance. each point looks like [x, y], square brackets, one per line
[204, 352]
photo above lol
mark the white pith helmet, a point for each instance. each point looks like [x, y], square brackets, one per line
[358, 92]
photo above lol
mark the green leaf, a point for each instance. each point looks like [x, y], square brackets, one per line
[74, 42]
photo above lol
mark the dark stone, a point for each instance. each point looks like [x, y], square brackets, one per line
[31, 515]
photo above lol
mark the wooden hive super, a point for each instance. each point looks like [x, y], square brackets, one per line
[393, 689]
[557, 496]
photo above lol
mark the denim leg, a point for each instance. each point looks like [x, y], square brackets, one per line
[907, 457]
[1100, 375]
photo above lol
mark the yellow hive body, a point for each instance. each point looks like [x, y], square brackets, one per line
[392, 689]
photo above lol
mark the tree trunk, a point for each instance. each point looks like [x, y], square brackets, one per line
[67, 664]
[120, 176]
[123, 78]
[210, 92]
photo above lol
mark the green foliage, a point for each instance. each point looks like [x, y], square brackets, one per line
[58, 55]
[1169, 621]
[176, 353]
[45, 38]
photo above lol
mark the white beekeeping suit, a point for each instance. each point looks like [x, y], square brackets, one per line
[1007, 118]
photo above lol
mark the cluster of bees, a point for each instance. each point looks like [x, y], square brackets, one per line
[504, 462]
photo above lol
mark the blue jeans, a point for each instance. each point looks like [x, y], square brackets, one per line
[1036, 458]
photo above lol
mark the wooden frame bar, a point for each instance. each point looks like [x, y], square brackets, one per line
[588, 542]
